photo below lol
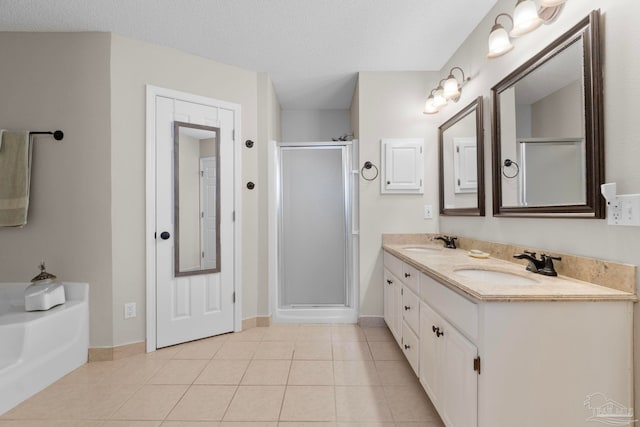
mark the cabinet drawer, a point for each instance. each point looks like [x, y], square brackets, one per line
[410, 347]
[411, 309]
[459, 311]
[393, 264]
[411, 277]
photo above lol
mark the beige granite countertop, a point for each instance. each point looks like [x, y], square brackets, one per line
[441, 264]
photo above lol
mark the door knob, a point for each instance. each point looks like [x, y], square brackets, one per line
[165, 235]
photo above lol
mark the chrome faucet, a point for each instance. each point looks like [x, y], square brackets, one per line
[543, 266]
[449, 241]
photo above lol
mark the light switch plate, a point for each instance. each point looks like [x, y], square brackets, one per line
[428, 212]
[130, 310]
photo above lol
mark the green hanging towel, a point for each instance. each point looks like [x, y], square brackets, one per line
[15, 177]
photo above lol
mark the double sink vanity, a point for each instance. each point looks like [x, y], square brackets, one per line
[496, 345]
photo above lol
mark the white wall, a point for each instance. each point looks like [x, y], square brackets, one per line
[314, 125]
[399, 116]
[54, 81]
[592, 238]
[555, 115]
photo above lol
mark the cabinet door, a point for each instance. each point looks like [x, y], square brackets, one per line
[389, 300]
[430, 354]
[402, 166]
[460, 387]
[465, 165]
[392, 302]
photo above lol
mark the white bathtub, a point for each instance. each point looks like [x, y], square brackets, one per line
[37, 348]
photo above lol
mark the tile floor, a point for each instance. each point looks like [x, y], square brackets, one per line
[278, 376]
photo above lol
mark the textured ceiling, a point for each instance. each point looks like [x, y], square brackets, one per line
[311, 48]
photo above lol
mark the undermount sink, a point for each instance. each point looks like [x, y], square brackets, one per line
[501, 277]
[421, 249]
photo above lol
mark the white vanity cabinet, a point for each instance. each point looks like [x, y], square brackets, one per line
[488, 362]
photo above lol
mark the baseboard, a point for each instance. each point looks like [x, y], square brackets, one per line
[371, 321]
[253, 322]
[104, 354]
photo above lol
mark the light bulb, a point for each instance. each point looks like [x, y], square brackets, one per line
[499, 42]
[439, 100]
[525, 18]
[429, 108]
[451, 89]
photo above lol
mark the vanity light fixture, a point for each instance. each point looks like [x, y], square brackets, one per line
[525, 18]
[451, 86]
[499, 41]
[448, 89]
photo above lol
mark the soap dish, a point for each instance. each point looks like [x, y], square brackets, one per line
[475, 253]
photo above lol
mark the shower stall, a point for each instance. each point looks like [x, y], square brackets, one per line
[314, 232]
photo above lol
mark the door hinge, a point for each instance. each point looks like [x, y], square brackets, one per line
[234, 297]
[459, 182]
[201, 173]
[233, 134]
[476, 364]
[233, 216]
[203, 254]
[401, 291]
[457, 149]
[201, 214]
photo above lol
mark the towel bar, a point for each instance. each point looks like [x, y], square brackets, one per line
[57, 135]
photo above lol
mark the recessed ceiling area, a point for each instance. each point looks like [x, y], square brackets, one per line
[312, 49]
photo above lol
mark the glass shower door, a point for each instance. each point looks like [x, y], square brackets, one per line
[314, 244]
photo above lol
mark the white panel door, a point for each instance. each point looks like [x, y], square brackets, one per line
[196, 306]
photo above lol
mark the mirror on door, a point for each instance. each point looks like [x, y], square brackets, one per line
[196, 199]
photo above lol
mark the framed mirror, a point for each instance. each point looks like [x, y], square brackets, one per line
[461, 140]
[196, 199]
[548, 144]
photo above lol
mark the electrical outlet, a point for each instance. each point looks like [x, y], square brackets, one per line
[625, 210]
[129, 310]
[428, 212]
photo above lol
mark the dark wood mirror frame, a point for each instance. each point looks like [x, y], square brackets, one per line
[469, 109]
[587, 30]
